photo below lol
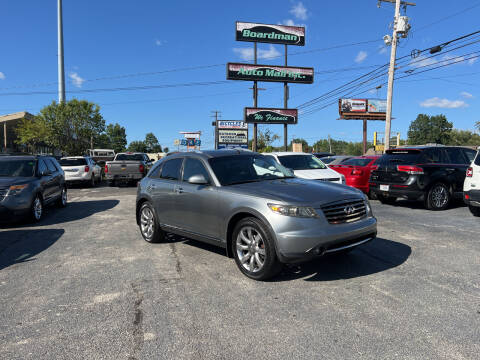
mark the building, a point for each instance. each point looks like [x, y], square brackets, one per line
[8, 136]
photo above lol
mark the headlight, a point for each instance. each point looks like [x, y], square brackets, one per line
[16, 189]
[368, 207]
[296, 211]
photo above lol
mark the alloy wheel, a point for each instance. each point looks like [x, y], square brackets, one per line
[64, 197]
[147, 222]
[439, 196]
[250, 248]
[37, 208]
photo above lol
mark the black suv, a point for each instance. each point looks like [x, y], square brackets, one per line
[28, 184]
[433, 174]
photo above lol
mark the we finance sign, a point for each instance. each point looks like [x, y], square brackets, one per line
[274, 34]
[249, 72]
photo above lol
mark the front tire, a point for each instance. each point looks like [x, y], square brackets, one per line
[254, 250]
[36, 210]
[438, 197]
[62, 201]
[148, 224]
[474, 210]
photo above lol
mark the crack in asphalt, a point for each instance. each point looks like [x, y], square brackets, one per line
[137, 322]
[178, 266]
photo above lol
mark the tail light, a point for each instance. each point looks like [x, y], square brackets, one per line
[357, 172]
[410, 169]
[141, 168]
[374, 167]
[87, 168]
[469, 172]
[106, 169]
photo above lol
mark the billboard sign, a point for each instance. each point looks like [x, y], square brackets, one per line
[250, 72]
[353, 105]
[274, 34]
[271, 115]
[377, 106]
[231, 124]
[232, 146]
[232, 136]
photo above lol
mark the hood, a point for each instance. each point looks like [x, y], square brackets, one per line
[6, 182]
[297, 191]
[316, 174]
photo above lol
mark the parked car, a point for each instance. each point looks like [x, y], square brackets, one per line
[127, 167]
[335, 160]
[357, 171]
[322, 154]
[28, 184]
[81, 169]
[307, 166]
[471, 186]
[432, 174]
[252, 206]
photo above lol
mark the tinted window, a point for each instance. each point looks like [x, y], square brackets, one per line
[477, 159]
[327, 160]
[470, 154]
[357, 162]
[73, 162]
[171, 169]
[400, 157]
[456, 156]
[135, 157]
[17, 168]
[155, 173]
[194, 167]
[41, 166]
[301, 162]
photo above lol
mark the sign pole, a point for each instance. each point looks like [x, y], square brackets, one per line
[255, 99]
[364, 136]
[285, 105]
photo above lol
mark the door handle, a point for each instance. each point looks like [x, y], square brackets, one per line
[179, 190]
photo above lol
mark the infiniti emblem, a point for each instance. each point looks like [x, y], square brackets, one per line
[348, 209]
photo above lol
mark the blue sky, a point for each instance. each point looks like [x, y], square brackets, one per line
[117, 44]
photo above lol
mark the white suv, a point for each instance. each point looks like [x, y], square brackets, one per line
[307, 166]
[81, 169]
[471, 186]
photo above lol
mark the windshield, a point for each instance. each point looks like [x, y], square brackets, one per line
[17, 168]
[134, 157]
[357, 162]
[301, 162]
[239, 169]
[73, 162]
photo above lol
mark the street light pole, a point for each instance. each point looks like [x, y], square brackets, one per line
[61, 72]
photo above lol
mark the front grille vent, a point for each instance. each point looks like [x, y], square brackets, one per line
[345, 211]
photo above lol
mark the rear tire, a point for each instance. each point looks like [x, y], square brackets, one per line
[62, 200]
[254, 251]
[148, 224]
[474, 210]
[438, 197]
[388, 200]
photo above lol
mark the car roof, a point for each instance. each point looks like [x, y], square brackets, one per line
[208, 154]
[23, 157]
[288, 153]
[74, 157]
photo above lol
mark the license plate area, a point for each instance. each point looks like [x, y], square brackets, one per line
[384, 187]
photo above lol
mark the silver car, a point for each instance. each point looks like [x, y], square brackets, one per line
[253, 207]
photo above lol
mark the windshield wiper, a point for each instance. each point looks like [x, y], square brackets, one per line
[244, 181]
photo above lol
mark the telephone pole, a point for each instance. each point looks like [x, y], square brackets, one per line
[216, 116]
[391, 69]
[61, 72]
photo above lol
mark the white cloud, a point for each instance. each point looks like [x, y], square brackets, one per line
[472, 61]
[466, 95]
[361, 56]
[76, 79]
[158, 42]
[382, 49]
[443, 103]
[299, 11]
[2, 76]
[247, 53]
[289, 22]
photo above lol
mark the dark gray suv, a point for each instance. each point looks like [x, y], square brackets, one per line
[253, 207]
[28, 184]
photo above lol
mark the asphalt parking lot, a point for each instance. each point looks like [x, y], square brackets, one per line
[82, 284]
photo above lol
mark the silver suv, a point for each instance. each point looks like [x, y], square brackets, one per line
[253, 207]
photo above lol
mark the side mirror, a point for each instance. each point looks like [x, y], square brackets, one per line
[198, 180]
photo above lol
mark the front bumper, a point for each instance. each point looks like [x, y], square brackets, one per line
[13, 206]
[307, 239]
[472, 197]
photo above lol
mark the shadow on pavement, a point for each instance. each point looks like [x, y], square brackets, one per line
[376, 256]
[76, 210]
[411, 204]
[17, 246]
[173, 238]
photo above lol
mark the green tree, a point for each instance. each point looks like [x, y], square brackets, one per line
[117, 137]
[264, 140]
[477, 125]
[463, 137]
[429, 129]
[152, 143]
[70, 126]
[166, 149]
[137, 146]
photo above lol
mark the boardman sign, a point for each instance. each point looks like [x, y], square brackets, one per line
[271, 115]
[249, 72]
[275, 34]
[231, 124]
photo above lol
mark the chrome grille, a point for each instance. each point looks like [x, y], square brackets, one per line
[330, 179]
[344, 211]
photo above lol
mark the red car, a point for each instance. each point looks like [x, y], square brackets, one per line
[357, 171]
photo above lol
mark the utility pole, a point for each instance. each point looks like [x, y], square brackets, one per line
[217, 113]
[329, 144]
[391, 69]
[61, 72]
[255, 99]
[285, 105]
